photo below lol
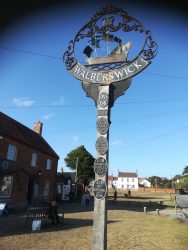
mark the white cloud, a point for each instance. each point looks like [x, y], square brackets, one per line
[75, 138]
[48, 116]
[22, 102]
[59, 102]
[116, 142]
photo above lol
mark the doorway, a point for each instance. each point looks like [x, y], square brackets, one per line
[30, 191]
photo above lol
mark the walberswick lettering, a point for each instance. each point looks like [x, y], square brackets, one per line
[106, 77]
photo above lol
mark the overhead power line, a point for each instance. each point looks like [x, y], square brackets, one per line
[60, 58]
[29, 52]
[46, 106]
[153, 138]
[91, 105]
[153, 101]
[168, 76]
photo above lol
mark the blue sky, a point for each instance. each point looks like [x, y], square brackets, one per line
[149, 129]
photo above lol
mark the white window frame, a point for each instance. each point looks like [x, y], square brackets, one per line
[3, 186]
[12, 152]
[34, 159]
[49, 164]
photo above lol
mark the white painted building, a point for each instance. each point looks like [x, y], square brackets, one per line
[127, 181]
[144, 182]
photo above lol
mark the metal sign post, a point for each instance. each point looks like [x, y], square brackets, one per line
[104, 78]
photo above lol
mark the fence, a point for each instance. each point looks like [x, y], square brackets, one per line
[156, 189]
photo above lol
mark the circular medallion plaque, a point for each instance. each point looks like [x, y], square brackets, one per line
[103, 99]
[99, 189]
[102, 125]
[101, 145]
[100, 166]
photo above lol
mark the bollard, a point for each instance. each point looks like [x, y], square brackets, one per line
[145, 209]
[157, 211]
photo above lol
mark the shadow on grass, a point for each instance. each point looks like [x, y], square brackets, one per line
[15, 225]
[129, 204]
[135, 205]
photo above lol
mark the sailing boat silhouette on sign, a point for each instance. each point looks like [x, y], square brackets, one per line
[119, 54]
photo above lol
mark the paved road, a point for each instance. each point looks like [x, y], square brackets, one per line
[182, 200]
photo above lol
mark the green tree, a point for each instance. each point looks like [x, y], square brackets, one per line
[183, 183]
[157, 181]
[185, 171]
[85, 164]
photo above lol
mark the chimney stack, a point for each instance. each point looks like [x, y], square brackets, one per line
[38, 127]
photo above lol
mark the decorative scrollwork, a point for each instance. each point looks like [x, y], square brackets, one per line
[125, 23]
[150, 47]
[68, 57]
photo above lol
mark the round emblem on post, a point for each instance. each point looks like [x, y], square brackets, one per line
[101, 145]
[103, 99]
[102, 125]
[99, 189]
[100, 166]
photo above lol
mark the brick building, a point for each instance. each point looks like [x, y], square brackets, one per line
[28, 165]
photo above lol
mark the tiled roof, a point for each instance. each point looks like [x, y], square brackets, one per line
[64, 176]
[17, 131]
[110, 178]
[128, 175]
[141, 179]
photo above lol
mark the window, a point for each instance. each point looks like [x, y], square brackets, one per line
[127, 179]
[122, 186]
[47, 189]
[12, 152]
[121, 179]
[6, 186]
[132, 186]
[133, 180]
[59, 188]
[48, 164]
[34, 160]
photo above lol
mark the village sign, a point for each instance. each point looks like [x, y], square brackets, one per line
[109, 65]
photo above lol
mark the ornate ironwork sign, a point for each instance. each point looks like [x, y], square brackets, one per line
[101, 145]
[100, 166]
[99, 189]
[110, 26]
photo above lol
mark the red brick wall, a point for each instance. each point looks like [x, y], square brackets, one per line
[158, 190]
[21, 180]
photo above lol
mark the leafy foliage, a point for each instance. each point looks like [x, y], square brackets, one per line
[157, 181]
[185, 171]
[85, 170]
[183, 183]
